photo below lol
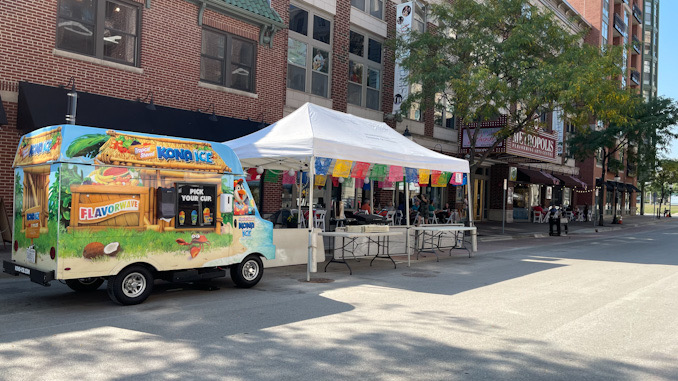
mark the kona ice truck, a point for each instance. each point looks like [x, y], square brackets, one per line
[94, 205]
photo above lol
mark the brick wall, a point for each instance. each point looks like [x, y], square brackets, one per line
[169, 59]
[9, 140]
[340, 41]
[272, 195]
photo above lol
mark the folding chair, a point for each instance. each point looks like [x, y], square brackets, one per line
[319, 219]
[389, 217]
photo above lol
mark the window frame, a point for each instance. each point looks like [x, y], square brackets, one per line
[311, 44]
[99, 25]
[367, 64]
[227, 61]
[368, 7]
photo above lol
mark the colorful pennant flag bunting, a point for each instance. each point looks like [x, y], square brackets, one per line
[395, 173]
[320, 180]
[271, 176]
[287, 179]
[411, 175]
[322, 165]
[424, 175]
[342, 168]
[379, 172]
[458, 178]
[360, 170]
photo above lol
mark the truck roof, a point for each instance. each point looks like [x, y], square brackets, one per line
[89, 145]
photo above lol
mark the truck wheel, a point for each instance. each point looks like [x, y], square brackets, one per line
[248, 272]
[132, 285]
[84, 284]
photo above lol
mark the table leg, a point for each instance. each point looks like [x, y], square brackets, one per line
[343, 259]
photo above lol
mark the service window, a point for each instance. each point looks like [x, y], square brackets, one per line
[196, 206]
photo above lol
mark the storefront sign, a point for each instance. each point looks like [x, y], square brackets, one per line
[487, 135]
[540, 146]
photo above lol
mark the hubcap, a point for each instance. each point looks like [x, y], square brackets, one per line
[250, 270]
[134, 285]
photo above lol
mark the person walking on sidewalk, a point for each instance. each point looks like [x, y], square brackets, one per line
[554, 220]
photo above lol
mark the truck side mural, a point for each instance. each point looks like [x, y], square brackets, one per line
[111, 199]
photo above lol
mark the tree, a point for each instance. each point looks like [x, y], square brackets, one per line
[657, 115]
[507, 57]
[665, 177]
[646, 123]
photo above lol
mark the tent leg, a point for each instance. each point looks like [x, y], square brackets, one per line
[469, 201]
[311, 174]
[407, 219]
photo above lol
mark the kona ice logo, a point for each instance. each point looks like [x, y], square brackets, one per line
[99, 212]
[185, 155]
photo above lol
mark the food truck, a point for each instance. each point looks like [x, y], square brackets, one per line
[94, 205]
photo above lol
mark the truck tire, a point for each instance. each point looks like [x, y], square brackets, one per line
[132, 285]
[248, 272]
[84, 284]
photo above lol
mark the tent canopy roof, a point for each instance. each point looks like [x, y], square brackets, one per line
[315, 131]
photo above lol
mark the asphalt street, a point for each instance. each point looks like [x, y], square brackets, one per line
[582, 307]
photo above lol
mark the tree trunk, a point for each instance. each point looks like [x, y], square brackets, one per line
[602, 193]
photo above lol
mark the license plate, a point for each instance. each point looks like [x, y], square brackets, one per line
[22, 270]
[30, 255]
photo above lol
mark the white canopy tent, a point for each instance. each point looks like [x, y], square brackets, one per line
[313, 131]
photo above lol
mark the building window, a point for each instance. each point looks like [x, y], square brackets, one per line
[100, 28]
[227, 60]
[308, 52]
[364, 71]
[374, 7]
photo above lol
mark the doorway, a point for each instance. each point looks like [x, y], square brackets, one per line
[478, 199]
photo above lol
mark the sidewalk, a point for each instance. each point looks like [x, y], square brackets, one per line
[492, 230]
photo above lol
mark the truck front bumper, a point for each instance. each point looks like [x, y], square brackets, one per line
[37, 276]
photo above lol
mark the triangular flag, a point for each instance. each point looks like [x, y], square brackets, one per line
[342, 168]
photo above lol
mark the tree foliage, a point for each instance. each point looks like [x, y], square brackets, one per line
[508, 57]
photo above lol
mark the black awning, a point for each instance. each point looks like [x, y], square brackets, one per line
[534, 177]
[567, 180]
[609, 185]
[3, 115]
[631, 188]
[41, 106]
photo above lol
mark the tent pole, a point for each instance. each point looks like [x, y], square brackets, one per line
[371, 211]
[311, 174]
[469, 200]
[299, 191]
[407, 219]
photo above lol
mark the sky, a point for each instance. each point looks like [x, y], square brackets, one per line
[667, 75]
